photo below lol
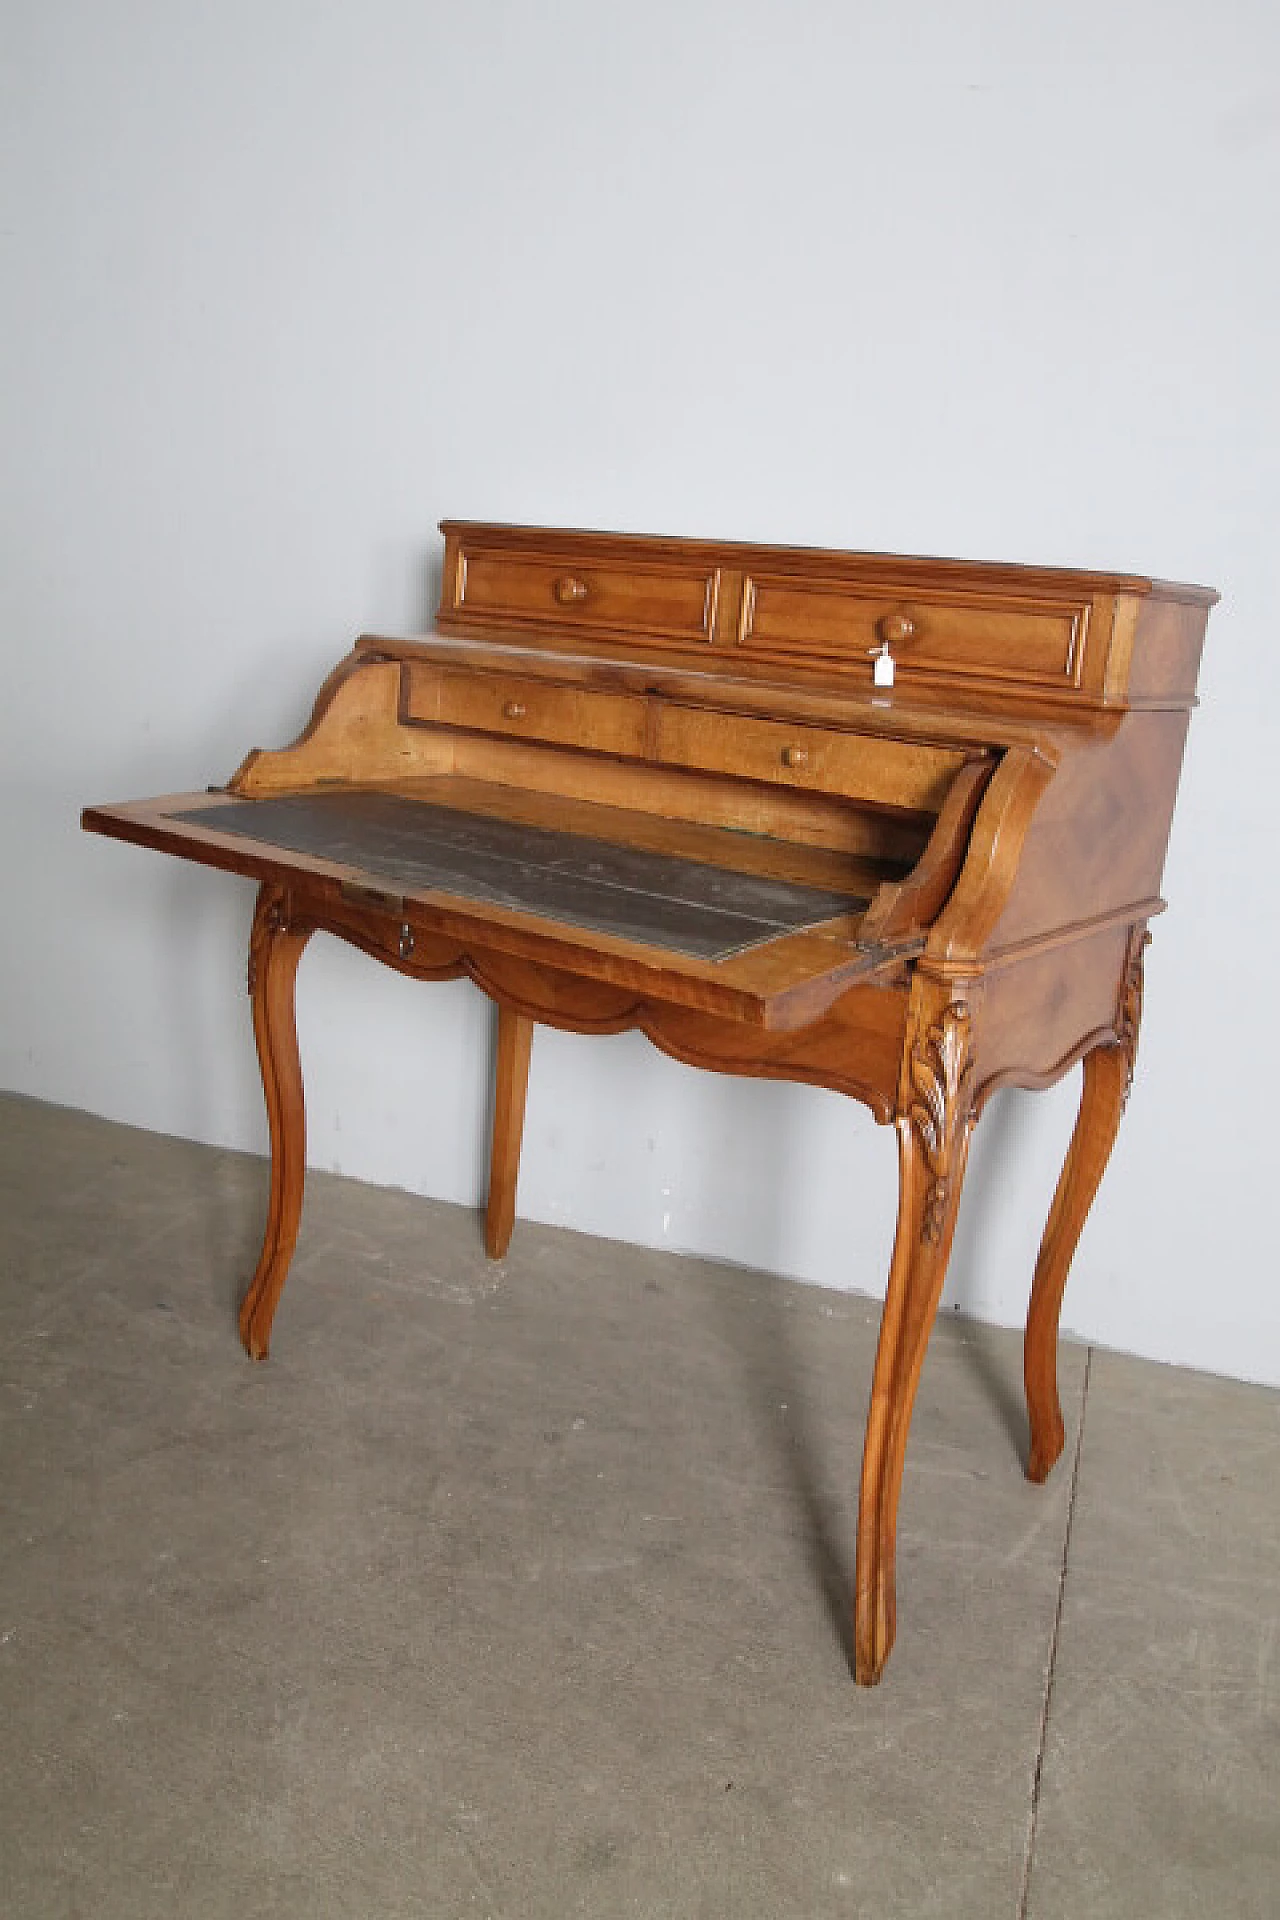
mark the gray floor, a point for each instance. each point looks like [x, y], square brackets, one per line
[518, 1591]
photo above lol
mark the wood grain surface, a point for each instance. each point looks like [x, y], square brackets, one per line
[650, 783]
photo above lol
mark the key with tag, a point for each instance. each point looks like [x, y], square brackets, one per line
[883, 669]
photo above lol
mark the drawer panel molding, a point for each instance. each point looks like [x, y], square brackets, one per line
[527, 709]
[1033, 641]
[906, 775]
[672, 604]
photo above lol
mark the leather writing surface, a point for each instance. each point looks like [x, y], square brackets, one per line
[656, 899]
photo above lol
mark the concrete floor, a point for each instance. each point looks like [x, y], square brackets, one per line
[519, 1591]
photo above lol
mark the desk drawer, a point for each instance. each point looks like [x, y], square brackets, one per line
[1037, 641]
[528, 709]
[668, 601]
[885, 772]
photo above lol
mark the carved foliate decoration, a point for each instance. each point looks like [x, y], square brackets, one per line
[269, 919]
[942, 1081]
[1130, 1018]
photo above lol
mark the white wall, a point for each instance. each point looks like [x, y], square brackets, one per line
[286, 282]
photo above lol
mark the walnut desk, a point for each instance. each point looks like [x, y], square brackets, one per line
[893, 826]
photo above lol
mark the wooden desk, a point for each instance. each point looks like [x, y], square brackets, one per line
[892, 826]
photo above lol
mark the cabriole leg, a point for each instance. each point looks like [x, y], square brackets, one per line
[274, 951]
[933, 1144]
[1108, 1076]
[515, 1038]
[1106, 1072]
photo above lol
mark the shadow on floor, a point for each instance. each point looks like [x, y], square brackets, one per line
[762, 1344]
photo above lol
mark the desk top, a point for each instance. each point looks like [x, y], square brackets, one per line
[730, 779]
[893, 827]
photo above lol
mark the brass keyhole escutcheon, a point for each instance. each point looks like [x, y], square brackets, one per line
[513, 710]
[795, 756]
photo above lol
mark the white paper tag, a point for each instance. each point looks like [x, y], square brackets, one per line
[883, 671]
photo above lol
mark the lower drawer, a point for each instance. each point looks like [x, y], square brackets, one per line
[527, 709]
[889, 773]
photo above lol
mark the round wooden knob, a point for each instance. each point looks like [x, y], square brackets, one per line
[513, 710]
[570, 591]
[895, 629]
[795, 756]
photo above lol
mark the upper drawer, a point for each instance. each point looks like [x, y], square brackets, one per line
[1037, 641]
[670, 600]
[904, 774]
[527, 709]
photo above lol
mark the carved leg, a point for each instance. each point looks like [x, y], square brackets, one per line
[515, 1037]
[1108, 1076]
[1101, 1102]
[933, 1145]
[274, 952]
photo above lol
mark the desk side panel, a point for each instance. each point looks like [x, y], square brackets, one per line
[1167, 646]
[1042, 1013]
[1096, 845]
[354, 736]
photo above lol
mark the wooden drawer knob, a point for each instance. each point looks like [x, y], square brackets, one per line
[795, 756]
[513, 710]
[895, 629]
[570, 591]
